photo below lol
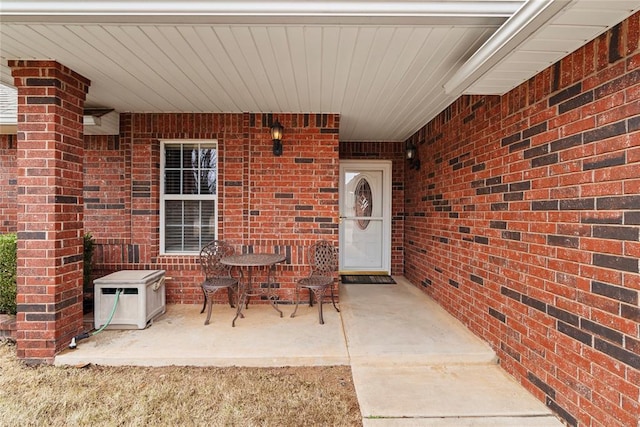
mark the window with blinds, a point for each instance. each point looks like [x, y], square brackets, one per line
[188, 191]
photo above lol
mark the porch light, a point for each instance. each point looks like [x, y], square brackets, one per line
[276, 136]
[411, 154]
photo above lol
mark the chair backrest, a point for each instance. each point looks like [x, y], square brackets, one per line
[210, 256]
[322, 258]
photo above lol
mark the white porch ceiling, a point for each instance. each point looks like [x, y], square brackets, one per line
[386, 67]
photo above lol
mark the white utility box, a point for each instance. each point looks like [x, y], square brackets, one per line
[141, 299]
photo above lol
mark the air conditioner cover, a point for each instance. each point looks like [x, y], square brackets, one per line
[141, 300]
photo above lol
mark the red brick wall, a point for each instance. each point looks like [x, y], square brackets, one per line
[524, 223]
[266, 203]
[50, 207]
[393, 151]
[8, 184]
[107, 188]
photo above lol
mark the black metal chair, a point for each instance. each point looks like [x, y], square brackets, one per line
[323, 262]
[217, 275]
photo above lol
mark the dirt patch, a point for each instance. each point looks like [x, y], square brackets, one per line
[186, 396]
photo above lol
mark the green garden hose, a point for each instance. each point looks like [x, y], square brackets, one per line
[113, 311]
[74, 340]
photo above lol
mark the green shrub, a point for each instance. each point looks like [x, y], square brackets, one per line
[89, 244]
[8, 267]
[87, 283]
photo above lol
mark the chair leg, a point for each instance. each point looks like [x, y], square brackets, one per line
[204, 304]
[297, 296]
[320, 297]
[333, 301]
[230, 294]
[209, 303]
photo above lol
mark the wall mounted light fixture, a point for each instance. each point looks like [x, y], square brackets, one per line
[411, 154]
[276, 137]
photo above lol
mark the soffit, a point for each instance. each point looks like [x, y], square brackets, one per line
[573, 26]
[382, 66]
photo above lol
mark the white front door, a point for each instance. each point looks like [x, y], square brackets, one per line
[365, 216]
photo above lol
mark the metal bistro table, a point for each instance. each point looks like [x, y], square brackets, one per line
[249, 261]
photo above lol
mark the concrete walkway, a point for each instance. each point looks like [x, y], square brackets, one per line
[413, 364]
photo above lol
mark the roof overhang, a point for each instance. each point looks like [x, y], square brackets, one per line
[260, 12]
[386, 67]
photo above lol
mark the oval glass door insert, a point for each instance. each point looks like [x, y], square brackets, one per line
[363, 203]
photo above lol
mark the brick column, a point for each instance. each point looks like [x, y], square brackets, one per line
[50, 207]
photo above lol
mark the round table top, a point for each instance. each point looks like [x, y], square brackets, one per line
[252, 260]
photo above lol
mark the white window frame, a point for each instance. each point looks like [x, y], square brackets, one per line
[164, 197]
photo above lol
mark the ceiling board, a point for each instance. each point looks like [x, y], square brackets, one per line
[384, 72]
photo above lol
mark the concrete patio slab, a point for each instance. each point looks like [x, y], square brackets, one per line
[542, 421]
[429, 393]
[397, 324]
[413, 364]
[260, 339]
